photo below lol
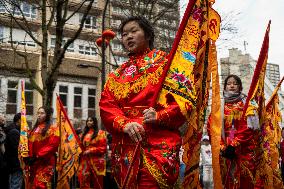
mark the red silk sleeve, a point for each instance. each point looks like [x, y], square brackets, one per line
[113, 116]
[50, 147]
[171, 116]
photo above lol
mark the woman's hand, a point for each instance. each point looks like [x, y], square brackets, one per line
[150, 115]
[134, 130]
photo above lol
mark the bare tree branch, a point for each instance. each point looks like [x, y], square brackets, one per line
[61, 53]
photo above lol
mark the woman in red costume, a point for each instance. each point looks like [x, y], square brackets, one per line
[239, 144]
[127, 114]
[43, 143]
[95, 143]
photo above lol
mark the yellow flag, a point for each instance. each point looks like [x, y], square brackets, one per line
[272, 136]
[23, 149]
[188, 79]
[69, 149]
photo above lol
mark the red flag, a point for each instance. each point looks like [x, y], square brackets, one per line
[256, 91]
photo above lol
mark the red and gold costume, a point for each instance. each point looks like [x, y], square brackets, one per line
[95, 150]
[44, 149]
[240, 172]
[128, 91]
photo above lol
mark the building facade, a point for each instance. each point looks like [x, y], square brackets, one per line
[78, 88]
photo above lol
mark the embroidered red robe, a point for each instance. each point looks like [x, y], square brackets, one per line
[96, 150]
[44, 148]
[128, 91]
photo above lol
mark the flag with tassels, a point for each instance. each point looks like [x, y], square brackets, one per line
[187, 78]
[23, 148]
[23, 144]
[216, 119]
[69, 149]
[255, 108]
[272, 135]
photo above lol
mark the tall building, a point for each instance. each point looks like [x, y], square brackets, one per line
[78, 88]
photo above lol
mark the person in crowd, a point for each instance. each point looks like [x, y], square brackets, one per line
[43, 142]
[240, 136]
[4, 175]
[11, 153]
[92, 166]
[206, 163]
[128, 114]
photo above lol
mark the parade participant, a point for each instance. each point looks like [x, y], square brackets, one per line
[11, 153]
[127, 114]
[95, 143]
[43, 142]
[239, 139]
[206, 163]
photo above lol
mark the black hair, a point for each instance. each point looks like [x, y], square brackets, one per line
[238, 80]
[17, 117]
[144, 24]
[48, 111]
[95, 127]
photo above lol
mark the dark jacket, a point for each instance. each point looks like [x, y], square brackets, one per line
[11, 146]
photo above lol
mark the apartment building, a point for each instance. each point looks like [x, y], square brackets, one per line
[78, 88]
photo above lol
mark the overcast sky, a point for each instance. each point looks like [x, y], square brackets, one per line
[252, 22]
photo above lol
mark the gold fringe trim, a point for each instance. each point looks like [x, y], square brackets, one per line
[122, 90]
[155, 172]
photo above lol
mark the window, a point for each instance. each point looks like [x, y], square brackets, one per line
[28, 10]
[63, 94]
[77, 102]
[29, 98]
[2, 7]
[1, 33]
[90, 22]
[11, 106]
[13, 96]
[25, 43]
[91, 102]
[69, 49]
[116, 47]
[87, 50]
